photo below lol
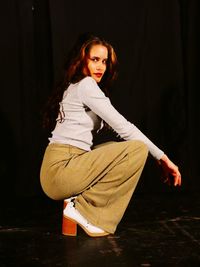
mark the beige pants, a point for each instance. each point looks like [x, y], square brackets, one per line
[104, 179]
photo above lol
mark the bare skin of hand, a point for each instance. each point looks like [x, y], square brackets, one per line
[169, 169]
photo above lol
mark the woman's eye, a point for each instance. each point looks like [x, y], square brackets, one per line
[94, 59]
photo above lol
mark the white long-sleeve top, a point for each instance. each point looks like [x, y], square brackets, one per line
[83, 107]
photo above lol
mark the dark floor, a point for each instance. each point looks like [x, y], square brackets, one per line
[157, 230]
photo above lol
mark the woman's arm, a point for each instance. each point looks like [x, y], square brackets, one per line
[92, 96]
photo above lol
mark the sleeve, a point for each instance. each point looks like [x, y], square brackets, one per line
[92, 96]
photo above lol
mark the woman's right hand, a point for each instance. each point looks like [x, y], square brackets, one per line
[170, 169]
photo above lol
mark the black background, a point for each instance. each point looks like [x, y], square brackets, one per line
[157, 89]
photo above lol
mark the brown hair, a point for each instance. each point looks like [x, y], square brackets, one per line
[73, 73]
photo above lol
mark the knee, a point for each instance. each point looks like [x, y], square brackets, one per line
[144, 150]
[140, 148]
[137, 156]
[143, 147]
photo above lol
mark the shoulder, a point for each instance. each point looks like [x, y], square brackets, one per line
[87, 81]
[88, 88]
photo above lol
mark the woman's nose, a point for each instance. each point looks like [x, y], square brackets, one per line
[100, 66]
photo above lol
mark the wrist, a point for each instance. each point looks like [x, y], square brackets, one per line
[164, 158]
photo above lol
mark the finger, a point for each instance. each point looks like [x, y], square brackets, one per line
[177, 180]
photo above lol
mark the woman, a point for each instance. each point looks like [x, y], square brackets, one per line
[97, 182]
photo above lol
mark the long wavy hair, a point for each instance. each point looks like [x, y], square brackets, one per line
[73, 73]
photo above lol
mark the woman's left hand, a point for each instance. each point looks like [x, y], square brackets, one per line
[170, 169]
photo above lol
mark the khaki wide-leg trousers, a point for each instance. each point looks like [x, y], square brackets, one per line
[103, 179]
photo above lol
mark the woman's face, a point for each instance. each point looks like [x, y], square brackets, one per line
[96, 62]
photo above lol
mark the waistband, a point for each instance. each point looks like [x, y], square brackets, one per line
[67, 148]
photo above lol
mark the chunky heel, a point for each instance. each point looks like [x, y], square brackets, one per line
[68, 227]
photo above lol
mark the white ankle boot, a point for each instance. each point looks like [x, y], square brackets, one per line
[73, 214]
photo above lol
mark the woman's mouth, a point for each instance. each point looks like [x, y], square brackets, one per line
[98, 74]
